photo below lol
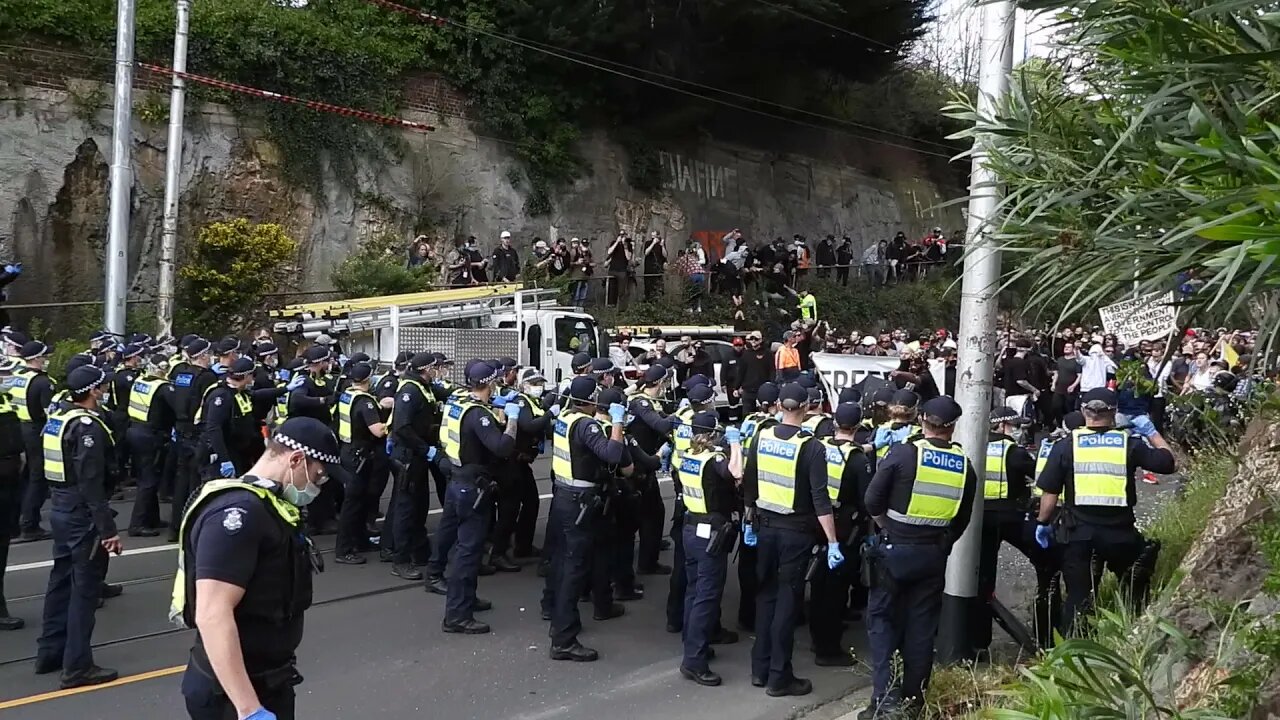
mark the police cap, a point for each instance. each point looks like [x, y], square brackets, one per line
[694, 380]
[701, 394]
[941, 411]
[139, 338]
[883, 396]
[85, 378]
[848, 414]
[266, 349]
[850, 395]
[807, 381]
[705, 422]
[132, 351]
[240, 367]
[34, 349]
[8, 365]
[767, 394]
[582, 388]
[316, 354]
[359, 371]
[186, 340]
[665, 361]
[226, 346]
[421, 361]
[1073, 420]
[293, 364]
[506, 363]
[579, 362]
[480, 372]
[1008, 415]
[402, 359]
[905, 398]
[312, 437]
[608, 396]
[654, 374]
[78, 360]
[196, 348]
[1099, 399]
[601, 365]
[793, 395]
[16, 337]
[358, 358]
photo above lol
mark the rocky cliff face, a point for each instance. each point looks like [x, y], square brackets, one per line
[54, 155]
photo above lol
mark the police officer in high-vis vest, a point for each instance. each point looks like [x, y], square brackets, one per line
[700, 398]
[414, 436]
[538, 411]
[244, 578]
[710, 472]
[33, 393]
[153, 408]
[583, 454]
[785, 486]
[921, 497]
[651, 428]
[226, 419]
[191, 378]
[762, 419]
[901, 426]
[848, 475]
[11, 449]
[1090, 476]
[361, 430]
[315, 397]
[476, 439]
[1006, 490]
[815, 420]
[78, 462]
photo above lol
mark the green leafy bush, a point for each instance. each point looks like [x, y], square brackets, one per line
[232, 265]
[378, 268]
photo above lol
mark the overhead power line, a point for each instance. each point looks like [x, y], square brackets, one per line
[824, 23]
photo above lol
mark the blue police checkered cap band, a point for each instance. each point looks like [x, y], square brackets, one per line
[308, 451]
[492, 376]
[102, 376]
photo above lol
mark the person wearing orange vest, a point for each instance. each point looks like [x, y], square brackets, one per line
[787, 358]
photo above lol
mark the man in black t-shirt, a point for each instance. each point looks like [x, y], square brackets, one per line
[619, 259]
[1066, 384]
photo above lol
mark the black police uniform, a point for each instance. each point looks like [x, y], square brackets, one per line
[315, 398]
[576, 522]
[1105, 533]
[117, 413]
[464, 524]
[11, 449]
[39, 395]
[228, 430]
[518, 516]
[364, 459]
[149, 443]
[748, 583]
[240, 538]
[784, 546]
[829, 589]
[909, 570]
[80, 519]
[190, 381]
[1004, 520]
[414, 430]
[706, 567]
[651, 429]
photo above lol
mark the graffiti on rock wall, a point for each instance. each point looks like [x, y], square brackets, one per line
[704, 179]
[636, 217]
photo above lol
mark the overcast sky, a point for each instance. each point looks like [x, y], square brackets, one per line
[959, 20]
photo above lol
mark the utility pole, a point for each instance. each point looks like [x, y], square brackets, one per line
[117, 260]
[172, 173]
[961, 607]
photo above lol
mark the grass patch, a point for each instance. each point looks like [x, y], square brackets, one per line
[961, 690]
[1180, 522]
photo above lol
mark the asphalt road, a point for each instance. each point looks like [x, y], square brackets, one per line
[374, 648]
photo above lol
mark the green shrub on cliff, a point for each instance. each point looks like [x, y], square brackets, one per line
[378, 268]
[231, 266]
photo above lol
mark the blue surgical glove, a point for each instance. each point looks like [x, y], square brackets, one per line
[777, 417]
[283, 375]
[617, 412]
[554, 410]
[1143, 426]
[261, 714]
[1044, 535]
[173, 435]
[297, 382]
[500, 401]
[13, 269]
[834, 556]
[342, 360]
[431, 454]
[684, 403]
[733, 435]
[749, 535]
[665, 450]
[513, 411]
[227, 470]
[882, 439]
[390, 446]
[900, 435]
[219, 369]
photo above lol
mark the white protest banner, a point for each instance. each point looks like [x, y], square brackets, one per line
[841, 371]
[1147, 317]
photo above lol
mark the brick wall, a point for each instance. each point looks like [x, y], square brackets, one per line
[56, 69]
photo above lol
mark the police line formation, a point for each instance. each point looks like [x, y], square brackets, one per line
[861, 508]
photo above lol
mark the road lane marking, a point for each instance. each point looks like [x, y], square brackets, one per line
[169, 547]
[126, 680]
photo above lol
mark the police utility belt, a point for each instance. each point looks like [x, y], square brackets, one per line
[799, 523]
[263, 681]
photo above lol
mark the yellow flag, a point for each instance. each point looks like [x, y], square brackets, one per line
[1229, 354]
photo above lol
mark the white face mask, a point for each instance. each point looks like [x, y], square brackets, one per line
[534, 391]
[303, 497]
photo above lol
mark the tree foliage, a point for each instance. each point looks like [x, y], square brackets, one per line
[231, 267]
[1148, 148]
[378, 268]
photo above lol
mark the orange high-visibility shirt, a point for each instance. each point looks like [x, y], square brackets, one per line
[786, 357]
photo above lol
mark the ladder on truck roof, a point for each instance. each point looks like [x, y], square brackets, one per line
[675, 332]
[373, 313]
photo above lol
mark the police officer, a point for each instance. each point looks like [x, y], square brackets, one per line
[226, 420]
[314, 397]
[1091, 477]
[244, 580]
[709, 480]
[33, 393]
[191, 378]
[414, 437]
[225, 352]
[652, 431]
[901, 426]
[265, 388]
[816, 421]
[786, 482]
[153, 408]
[700, 398]
[285, 375]
[921, 497]
[581, 449]
[1008, 474]
[518, 524]
[385, 388]
[763, 419]
[11, 449]
[580, 366]
[360, 430]
[117, 402]
[476, 441]
[848, 475]
[77, 447]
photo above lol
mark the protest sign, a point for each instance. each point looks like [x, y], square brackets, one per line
[1148, 317]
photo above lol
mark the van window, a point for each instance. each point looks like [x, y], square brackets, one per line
[577, 334]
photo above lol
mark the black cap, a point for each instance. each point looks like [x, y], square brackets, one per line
[316, 354]
[78, 360]
[133, 350]
[506, 363]
[159, 360]
[100, 335]
[701, 394]
[311, 436]
[815, 395]
[883, 396]
[1006, 414]
[654, 374]
[139, 338]
[1073, 420]
[226, 346]
[905, 398]
[579, 362]
[402, 359]
[421, 361]
[807, 381]
[481, 373]
[767, 394]
[34, 349]
[359, 371]
[186, 340]
[358, 358]
[439, 358]
[848, 414]
[582, 388]
[16, 337]
[695, 380]
[240, 367]
[85, 378]
[941, 411]
[466, 369]
[601, 365]
[293, 364]
[850, 395]
[705, 422]
[196, 347]
[793, 393]
[1099, 399]
[266, 349]
[608, 396]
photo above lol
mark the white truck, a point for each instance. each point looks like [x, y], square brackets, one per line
[463, 323]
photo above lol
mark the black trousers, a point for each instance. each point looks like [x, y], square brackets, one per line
[361, 467]
[903, 611]
[1013, 528]
[679, 584]
[411, 499]
[828, 596]
[10, 484]
[652, 513]
[1113, 548]
[782, 556]
[527, 518]
[205, 700]
[573, 558]
[185, 478]
[35, 489]
[512, 495]
[147, 449]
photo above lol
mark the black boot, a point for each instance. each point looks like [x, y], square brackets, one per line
[92, 675]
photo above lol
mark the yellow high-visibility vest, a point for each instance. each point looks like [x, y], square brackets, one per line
[140, 397]
[996, 479]
[693, 468]
[562, 460]
[938, 488]
[882, 452]
[1100, 473]
[837, 459]
[777, 462]
[243, 402]
[812, 422]
[55, 427]
[682, 436]
[22, 379]
[1042, 462]
[454, 413]
[345, 403]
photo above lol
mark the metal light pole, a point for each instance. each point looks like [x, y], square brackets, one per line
[961, 607]
[172, 173]
[117, 260]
